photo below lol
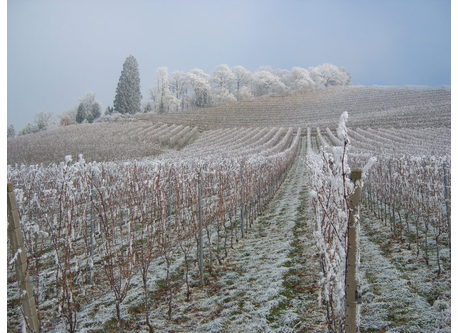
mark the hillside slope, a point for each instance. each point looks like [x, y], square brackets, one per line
[367, 106]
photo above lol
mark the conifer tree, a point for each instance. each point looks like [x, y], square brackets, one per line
[128, 96]
[80, 113]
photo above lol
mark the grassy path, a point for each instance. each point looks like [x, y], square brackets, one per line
[268, 283]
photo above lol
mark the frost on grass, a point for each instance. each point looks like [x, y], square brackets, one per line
[388, 300]
[249, 290]
[246, 290]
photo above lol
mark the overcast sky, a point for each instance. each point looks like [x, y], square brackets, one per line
[60, 50]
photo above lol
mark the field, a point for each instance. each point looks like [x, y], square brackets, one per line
[210, 220]
[368, 107]
[100, 142]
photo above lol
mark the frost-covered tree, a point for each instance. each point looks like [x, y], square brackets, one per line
[222, 77]
[299, 78]
[223, 96]
[41, 122]
[28, 129]
[197, 88]
[11, 132]
[94, 113]
[164, 99]
[265, 82]
[88, 109]
[178, 84]
[285, 76]
[128, 96]
[244, 93]
[241, 79]
[179, 87]
[162, 89]
[199, 81]
[330, 75]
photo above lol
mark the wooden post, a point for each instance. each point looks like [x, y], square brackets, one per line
[447, 203]
[17, 247]
[90, 265]
[351, 283]
[241, 201]
[200, 253]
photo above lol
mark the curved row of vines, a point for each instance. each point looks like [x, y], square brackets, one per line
[94, 226]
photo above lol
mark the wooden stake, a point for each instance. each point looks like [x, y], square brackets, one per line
[242, 229]
[351, 283]
[17, 247]
[200, 251]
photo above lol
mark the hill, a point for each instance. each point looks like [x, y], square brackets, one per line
[383, 107]
[240, 228]
[367, 106]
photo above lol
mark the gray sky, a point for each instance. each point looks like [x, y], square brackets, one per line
[60, 50]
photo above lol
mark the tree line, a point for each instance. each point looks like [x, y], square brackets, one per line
[182, 91]
[194, 89]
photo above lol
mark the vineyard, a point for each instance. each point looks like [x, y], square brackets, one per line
[236, 218]
[100, 142]
[369, 107]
